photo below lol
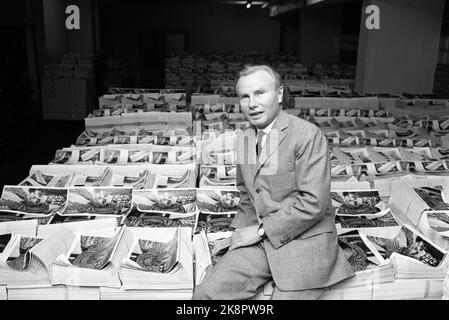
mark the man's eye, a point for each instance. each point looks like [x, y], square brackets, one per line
[259, 92]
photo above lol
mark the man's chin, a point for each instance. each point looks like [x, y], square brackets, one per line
[259, 123]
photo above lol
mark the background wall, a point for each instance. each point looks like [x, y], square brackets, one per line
[58, 39]
[126, 30]
[441, 80]
[289, 39]
[402, 55]
[320, 34]
[55, 32]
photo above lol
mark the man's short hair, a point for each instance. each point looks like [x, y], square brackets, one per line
[248, 69]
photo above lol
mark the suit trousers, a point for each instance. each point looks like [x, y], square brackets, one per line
[240, 273]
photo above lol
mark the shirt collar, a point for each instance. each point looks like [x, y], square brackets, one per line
[267, 129]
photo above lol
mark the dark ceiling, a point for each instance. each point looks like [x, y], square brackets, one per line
[230, 2]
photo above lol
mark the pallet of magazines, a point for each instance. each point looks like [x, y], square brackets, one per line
[140, 100]
[125, 154]
[139, 135]
[127, 249]
[387, 161]
[97, 260]
[392, 260]
[132, 120]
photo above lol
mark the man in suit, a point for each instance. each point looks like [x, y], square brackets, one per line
[285, 225]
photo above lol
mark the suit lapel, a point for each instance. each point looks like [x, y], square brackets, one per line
[274, 139]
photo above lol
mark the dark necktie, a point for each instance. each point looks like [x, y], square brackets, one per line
[260, 135]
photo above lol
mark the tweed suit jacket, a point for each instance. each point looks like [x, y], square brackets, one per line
[287, 188]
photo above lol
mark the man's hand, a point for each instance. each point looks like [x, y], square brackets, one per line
[244, 237]
[221, 246]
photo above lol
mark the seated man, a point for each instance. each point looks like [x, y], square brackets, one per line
[285, 225]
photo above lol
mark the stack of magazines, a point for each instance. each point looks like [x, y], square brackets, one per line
[92, 260]
[26, 262]
[158, 261]
[151, 176]
[141, 206]
[426, 207]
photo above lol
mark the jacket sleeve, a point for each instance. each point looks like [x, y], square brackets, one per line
[246, 214]
[312, 172]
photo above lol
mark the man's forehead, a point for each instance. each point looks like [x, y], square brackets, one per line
[258, 78]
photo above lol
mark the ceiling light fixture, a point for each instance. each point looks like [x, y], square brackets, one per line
[248, 5]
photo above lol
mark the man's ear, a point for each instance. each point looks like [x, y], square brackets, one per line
[280, 93]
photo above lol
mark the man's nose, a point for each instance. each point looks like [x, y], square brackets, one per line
[252, 102]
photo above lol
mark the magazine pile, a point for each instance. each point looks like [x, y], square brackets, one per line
[140, 207]
[158, 264]
[409, 259]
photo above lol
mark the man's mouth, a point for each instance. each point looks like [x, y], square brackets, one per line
[255, 114]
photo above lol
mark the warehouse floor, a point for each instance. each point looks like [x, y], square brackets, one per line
[38, 146]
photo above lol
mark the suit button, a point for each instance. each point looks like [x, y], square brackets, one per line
[258, 190]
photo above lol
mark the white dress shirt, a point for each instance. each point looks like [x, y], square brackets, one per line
[266, 130]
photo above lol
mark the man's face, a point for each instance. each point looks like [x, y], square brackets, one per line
[259, 99]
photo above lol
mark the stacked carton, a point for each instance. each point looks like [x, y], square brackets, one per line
[68, 88]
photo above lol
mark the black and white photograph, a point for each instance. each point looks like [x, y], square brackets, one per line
[8, 216]
[409, 244]
[179, 201]
[136, 181]
[33, 201]
[357, 203]
[159, 157]
[101, 201]
[358, 254]
[154, 256]
[88, 155]
[185, 156]
[299, 136]
[215, 246]
[385, 219]
[145, 139]
[20, 260]
[4, 239]
[216, 176]
[104, 141]
[137, 218]
[111, 156]
[433, 197]
[57, 218]
[62, 157]
[385, 168]
[93, 252]
[40, 179]
[94, 179]
[218, 201]
[439, 221]
[136, 156]
[169, 180]
[214, 222]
